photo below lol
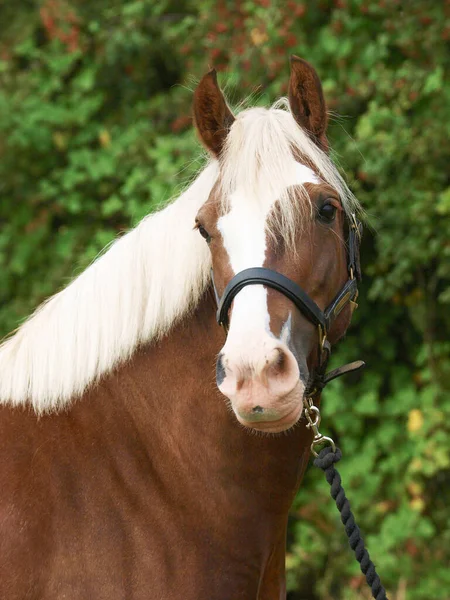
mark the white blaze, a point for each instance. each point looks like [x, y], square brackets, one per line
[243, 230]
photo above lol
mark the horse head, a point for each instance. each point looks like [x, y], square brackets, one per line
[279, 208]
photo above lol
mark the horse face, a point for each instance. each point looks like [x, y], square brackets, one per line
[290, 221]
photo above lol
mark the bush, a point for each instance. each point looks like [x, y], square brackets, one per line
[96, 128]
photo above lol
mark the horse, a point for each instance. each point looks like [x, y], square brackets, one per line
[146, 452]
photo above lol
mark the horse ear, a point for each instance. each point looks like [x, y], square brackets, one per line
[212, 116]
[307, 101]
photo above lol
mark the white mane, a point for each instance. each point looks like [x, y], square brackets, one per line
[134, 293]
[151, 277]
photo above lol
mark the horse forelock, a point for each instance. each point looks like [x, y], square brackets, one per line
[261, 156]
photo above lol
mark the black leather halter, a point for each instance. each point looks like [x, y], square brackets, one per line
[306, 305]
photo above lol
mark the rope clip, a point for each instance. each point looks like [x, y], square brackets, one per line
[312, 414]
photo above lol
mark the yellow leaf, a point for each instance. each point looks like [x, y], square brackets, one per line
[291, 561]
[416, 464]
[59, 139]
[415, 420]
[414, 488]
[383, 506]
[258, 36]
[417, 504]
[104, 138]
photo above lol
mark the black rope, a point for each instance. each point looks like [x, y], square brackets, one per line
[325, 461]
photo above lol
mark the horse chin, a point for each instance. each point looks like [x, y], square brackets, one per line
[275, 425]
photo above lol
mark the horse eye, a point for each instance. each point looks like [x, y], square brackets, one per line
[327, 213]
[204, 233]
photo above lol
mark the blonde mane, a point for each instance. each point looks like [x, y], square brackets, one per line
[152, 277]
[146, 281]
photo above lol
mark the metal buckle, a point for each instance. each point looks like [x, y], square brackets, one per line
[354, 225]
[353, 302]
[322, 337]
[312, 414]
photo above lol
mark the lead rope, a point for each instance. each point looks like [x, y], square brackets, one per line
[326, 460]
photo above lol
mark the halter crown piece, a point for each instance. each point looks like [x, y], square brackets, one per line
[323, 320]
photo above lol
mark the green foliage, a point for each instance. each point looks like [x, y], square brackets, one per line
[95, 133]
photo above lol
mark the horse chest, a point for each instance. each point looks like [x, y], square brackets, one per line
[92, 511]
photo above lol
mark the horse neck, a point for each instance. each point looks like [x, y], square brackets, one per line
[153, 453]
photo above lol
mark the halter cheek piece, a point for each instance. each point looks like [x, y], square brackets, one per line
[323, 320]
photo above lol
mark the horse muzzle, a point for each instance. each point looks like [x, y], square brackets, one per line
[266, 392]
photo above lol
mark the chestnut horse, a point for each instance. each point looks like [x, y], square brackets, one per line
[130, 468]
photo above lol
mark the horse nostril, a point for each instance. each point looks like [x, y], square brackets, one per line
[220, 370]
[257, 409]
[277, 364]
[281, 360]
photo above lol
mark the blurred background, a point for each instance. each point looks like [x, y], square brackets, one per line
[96, 132]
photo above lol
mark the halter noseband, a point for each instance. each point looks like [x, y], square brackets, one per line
[323, 320]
